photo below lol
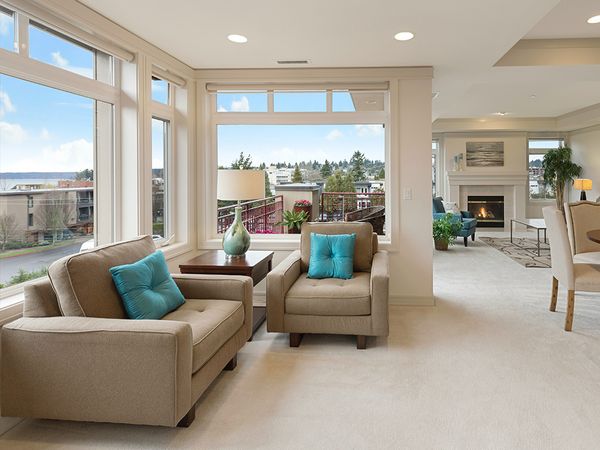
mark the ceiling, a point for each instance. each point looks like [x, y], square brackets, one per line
[461, 40]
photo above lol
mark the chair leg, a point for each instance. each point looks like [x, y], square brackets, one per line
[232, 364]
[473, 237]
[570, 310]
[554, 296]
[295, 339]
[187, 420]
[361, 342]
[466, 241]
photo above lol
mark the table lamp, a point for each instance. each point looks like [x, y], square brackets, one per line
[239, 185]
[582, 184]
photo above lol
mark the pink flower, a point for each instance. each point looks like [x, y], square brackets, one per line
[302, 203]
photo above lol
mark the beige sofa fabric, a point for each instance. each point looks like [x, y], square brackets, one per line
[297, 304]
[83, 284]
[100, 370]
[119, 370]
[330, 296]
[582, 217]
[363, 247]
[40, 300]
[213, 322]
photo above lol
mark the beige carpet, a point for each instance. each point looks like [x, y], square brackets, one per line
[489, 367]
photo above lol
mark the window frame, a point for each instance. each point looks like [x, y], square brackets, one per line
[540, 151]
[271, 117]
[20, 65]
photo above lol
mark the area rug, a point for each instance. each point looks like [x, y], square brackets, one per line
[527, 256]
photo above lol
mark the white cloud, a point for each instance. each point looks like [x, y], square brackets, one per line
[241, 105]
[45, 134]
[62, 62]
[12, 133]
[222, 109]
[6, 104]
[334, 134]
[5, 24]
[369, 130]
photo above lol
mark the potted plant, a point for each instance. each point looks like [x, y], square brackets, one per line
[303, 205]
[293, 220]
[560, 170]
[445, 230]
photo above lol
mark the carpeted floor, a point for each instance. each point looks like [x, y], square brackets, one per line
[488, 367]
[522, 250]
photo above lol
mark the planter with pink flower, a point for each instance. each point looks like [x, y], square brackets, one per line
[304, 205]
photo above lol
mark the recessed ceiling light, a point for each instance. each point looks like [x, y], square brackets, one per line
[237, 38]
[404, 36]
[501, 113]
[594, 19]
[533, 96]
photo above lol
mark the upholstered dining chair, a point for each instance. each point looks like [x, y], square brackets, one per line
[576, 276]
[581, 218]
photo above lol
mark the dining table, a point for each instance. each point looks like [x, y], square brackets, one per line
[594, 235]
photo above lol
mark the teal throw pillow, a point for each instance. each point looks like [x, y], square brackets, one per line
[331, 255]
[147, 288]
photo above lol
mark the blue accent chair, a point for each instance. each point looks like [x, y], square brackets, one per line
[469, 223]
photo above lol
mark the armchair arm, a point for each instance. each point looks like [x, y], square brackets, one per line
[219, 287]
[279, 281]
[380, 278]
[100, 370]
[467, 215]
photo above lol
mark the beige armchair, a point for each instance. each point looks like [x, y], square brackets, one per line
[297, 304]
[75, 356]
[582, 217]
[576, 276]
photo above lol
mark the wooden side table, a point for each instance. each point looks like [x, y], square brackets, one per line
[255, 264]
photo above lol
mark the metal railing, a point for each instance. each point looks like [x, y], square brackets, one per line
[335, 205]
[259, 216]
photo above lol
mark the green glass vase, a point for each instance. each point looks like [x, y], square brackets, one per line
[236, 240]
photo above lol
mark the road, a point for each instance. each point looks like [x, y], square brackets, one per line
[34, 261]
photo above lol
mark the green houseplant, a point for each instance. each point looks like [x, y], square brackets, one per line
[445, 230]
[293, 220]
[560, 170]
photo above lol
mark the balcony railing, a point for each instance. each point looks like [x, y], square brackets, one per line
[335, 205]
[259, 216]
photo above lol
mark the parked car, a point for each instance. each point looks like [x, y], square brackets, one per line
[90, 244]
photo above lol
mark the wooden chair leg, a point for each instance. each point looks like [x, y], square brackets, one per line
[466, 241]
[232, 364]
[295, 339]
[473, 237]
[554, 296]
[187, 420]
[570, 310]
[361, 342]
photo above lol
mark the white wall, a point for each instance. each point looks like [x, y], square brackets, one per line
[586, 152]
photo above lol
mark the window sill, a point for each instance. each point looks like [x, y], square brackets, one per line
[289, 243]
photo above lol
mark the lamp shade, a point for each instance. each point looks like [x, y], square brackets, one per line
[582, 184]
[234, 184]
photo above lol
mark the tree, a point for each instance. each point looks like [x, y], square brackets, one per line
[268, 192]
[358, 166]
[381, 175]
[54, 214]
[297, 175]
[326, 170]
[85, 175]
[559, 170]
[243, 162]
[8, 229]
[340, 182]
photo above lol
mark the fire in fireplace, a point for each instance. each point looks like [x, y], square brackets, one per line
[487, 209]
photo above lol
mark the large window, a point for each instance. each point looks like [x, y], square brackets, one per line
[435, 159]
[160, 148]
[56, 150]
[536, 149]
[323, 148]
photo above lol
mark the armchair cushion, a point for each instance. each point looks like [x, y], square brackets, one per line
[146, 287]
[331, 256]
[213, 322]
[330, 296]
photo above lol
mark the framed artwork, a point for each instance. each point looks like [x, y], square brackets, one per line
[485, 154]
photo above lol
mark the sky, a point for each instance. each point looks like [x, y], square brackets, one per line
[47, 130]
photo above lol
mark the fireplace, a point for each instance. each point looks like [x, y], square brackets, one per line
[487, 209]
